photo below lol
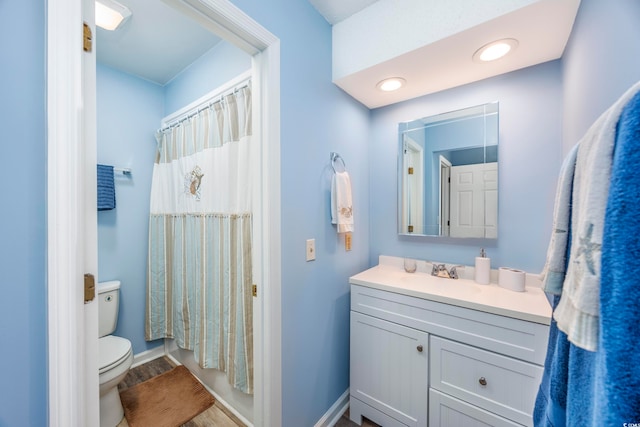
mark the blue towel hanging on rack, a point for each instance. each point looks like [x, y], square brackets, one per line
[106, 188]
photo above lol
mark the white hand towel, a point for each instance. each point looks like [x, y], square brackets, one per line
[341, 202]
[578, 312]
[555, 269]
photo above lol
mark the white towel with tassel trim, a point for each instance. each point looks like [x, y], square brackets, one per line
[341, 202]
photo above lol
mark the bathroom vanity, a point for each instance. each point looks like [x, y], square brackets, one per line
[430, 351]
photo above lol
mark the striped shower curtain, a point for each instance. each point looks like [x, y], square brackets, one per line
[199, 268]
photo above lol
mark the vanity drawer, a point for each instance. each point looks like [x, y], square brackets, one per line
[512, 337]
[500, 384]
[446, 411]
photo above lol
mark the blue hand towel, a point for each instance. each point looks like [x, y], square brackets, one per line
[106, 188]
[618, 370]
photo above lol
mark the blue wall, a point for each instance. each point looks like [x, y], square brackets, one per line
[530, 156]
[316, 118]
[601, 61]
[129, 113]
[23, 309]
[220, 64]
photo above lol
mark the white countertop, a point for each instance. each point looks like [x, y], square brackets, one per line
[531, 305]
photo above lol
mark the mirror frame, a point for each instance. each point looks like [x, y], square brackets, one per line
[482, 110]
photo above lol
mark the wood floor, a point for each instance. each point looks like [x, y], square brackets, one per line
[217, 415]
[346, 422]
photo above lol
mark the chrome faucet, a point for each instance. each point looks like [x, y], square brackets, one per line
[440, 270]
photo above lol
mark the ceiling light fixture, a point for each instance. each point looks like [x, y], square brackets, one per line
[391, 84]
[495, 50]
[110, 14]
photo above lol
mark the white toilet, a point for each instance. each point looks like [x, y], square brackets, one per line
[115, 355]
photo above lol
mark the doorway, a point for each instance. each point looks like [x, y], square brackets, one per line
[413, 177]
[72, 247]
[445, 194]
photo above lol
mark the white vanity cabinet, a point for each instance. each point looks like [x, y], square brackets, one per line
[429, 360]
[389, 365]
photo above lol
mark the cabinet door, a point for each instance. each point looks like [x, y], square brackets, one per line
[389, 368]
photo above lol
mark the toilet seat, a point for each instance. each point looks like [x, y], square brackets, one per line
[112, 352]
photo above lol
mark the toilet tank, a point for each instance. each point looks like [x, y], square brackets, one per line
[108, 304]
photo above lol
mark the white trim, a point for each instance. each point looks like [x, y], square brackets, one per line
[443, 161]
[227, 21]
[333, 415]
[229, 408]
[165, 351]
[148, 356]
[267, 348]
[64, 206]
[65, 260]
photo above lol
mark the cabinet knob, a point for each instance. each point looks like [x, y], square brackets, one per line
[482, 381]
[419, 348]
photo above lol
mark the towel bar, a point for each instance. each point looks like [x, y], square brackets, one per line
[123, 171]
[334, 157]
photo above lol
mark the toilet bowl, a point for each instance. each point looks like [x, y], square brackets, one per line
[114, 353]
[116, 358]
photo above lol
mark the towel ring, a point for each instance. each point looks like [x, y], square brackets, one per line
[334, 158]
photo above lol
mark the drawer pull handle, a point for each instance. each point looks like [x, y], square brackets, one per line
[420, 349]
[482, 381]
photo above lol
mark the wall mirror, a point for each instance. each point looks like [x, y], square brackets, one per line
[448, 174]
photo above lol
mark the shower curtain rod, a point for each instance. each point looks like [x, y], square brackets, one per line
[206, 101]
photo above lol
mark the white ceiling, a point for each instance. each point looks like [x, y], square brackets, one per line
[542, 28]
[155, 43]
[335, 11]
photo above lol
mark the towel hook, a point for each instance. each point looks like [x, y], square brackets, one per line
[335, 157]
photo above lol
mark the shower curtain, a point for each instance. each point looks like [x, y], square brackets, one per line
[199, 268]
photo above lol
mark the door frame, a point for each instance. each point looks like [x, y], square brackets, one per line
[444, 194]
[69, 373]
[413, 194]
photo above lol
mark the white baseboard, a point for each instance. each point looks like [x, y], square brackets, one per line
[167, 348]
[331, 417]
[214, 394]
[148, 356]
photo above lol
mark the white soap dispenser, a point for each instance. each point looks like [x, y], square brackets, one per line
[483, 268]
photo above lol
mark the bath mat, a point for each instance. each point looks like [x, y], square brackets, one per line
[168, 400]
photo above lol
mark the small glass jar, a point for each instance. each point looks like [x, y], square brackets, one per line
[410, 265]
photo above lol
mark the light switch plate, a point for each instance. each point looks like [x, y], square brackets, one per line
[311, 249]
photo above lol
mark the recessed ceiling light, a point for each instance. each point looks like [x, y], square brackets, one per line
[110, 14]
[495, 50]
[391, 84]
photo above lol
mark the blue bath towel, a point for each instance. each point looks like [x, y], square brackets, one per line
[602, 388]
[578, 311]
[567, 394]
[106, 188]
[618, 370]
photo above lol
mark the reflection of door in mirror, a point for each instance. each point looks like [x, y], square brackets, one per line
[429, 149]
[474, 200]
[414, 182]
[445, 191]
